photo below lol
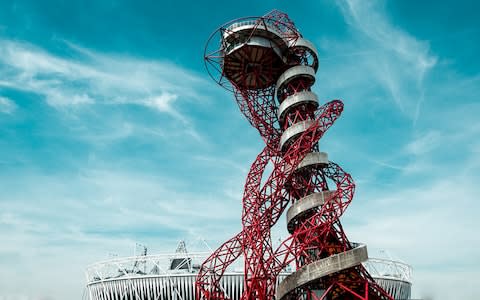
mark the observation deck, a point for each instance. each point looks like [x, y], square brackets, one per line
[252, 54]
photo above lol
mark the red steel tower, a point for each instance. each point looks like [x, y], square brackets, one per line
[270, 68]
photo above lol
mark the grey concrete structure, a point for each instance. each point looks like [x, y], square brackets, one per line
[305, 45]
[302, 98]
[314, 159]
[304, 205]
[321, 268]
[294, 131]
[292, 73]
[256, 41]
[239, 32]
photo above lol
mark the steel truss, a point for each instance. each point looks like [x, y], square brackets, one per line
[261, 60]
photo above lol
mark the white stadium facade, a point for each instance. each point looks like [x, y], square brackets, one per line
[172, 277]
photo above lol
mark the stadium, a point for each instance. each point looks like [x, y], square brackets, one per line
[172, 277]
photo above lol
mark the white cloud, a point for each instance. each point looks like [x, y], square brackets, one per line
[378, 55]
[78, 219]
[57, 98]
[370, 19]
[428, 225]
[424, 209]
[73, 85]
[425, 143]
[162, 102]
[95, 77]
[7, 106]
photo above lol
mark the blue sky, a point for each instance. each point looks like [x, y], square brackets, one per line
[111, 133]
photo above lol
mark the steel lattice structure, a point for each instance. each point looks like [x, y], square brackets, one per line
[263, 60]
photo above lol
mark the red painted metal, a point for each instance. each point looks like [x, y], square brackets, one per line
[319, 234]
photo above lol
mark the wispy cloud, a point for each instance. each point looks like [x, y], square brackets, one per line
[418, 157]
[73, 84]
[379, 55]
[369, 18]
[425, 143]
[429, 225]
[90, 77]
[110, 109]
[7, 106]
